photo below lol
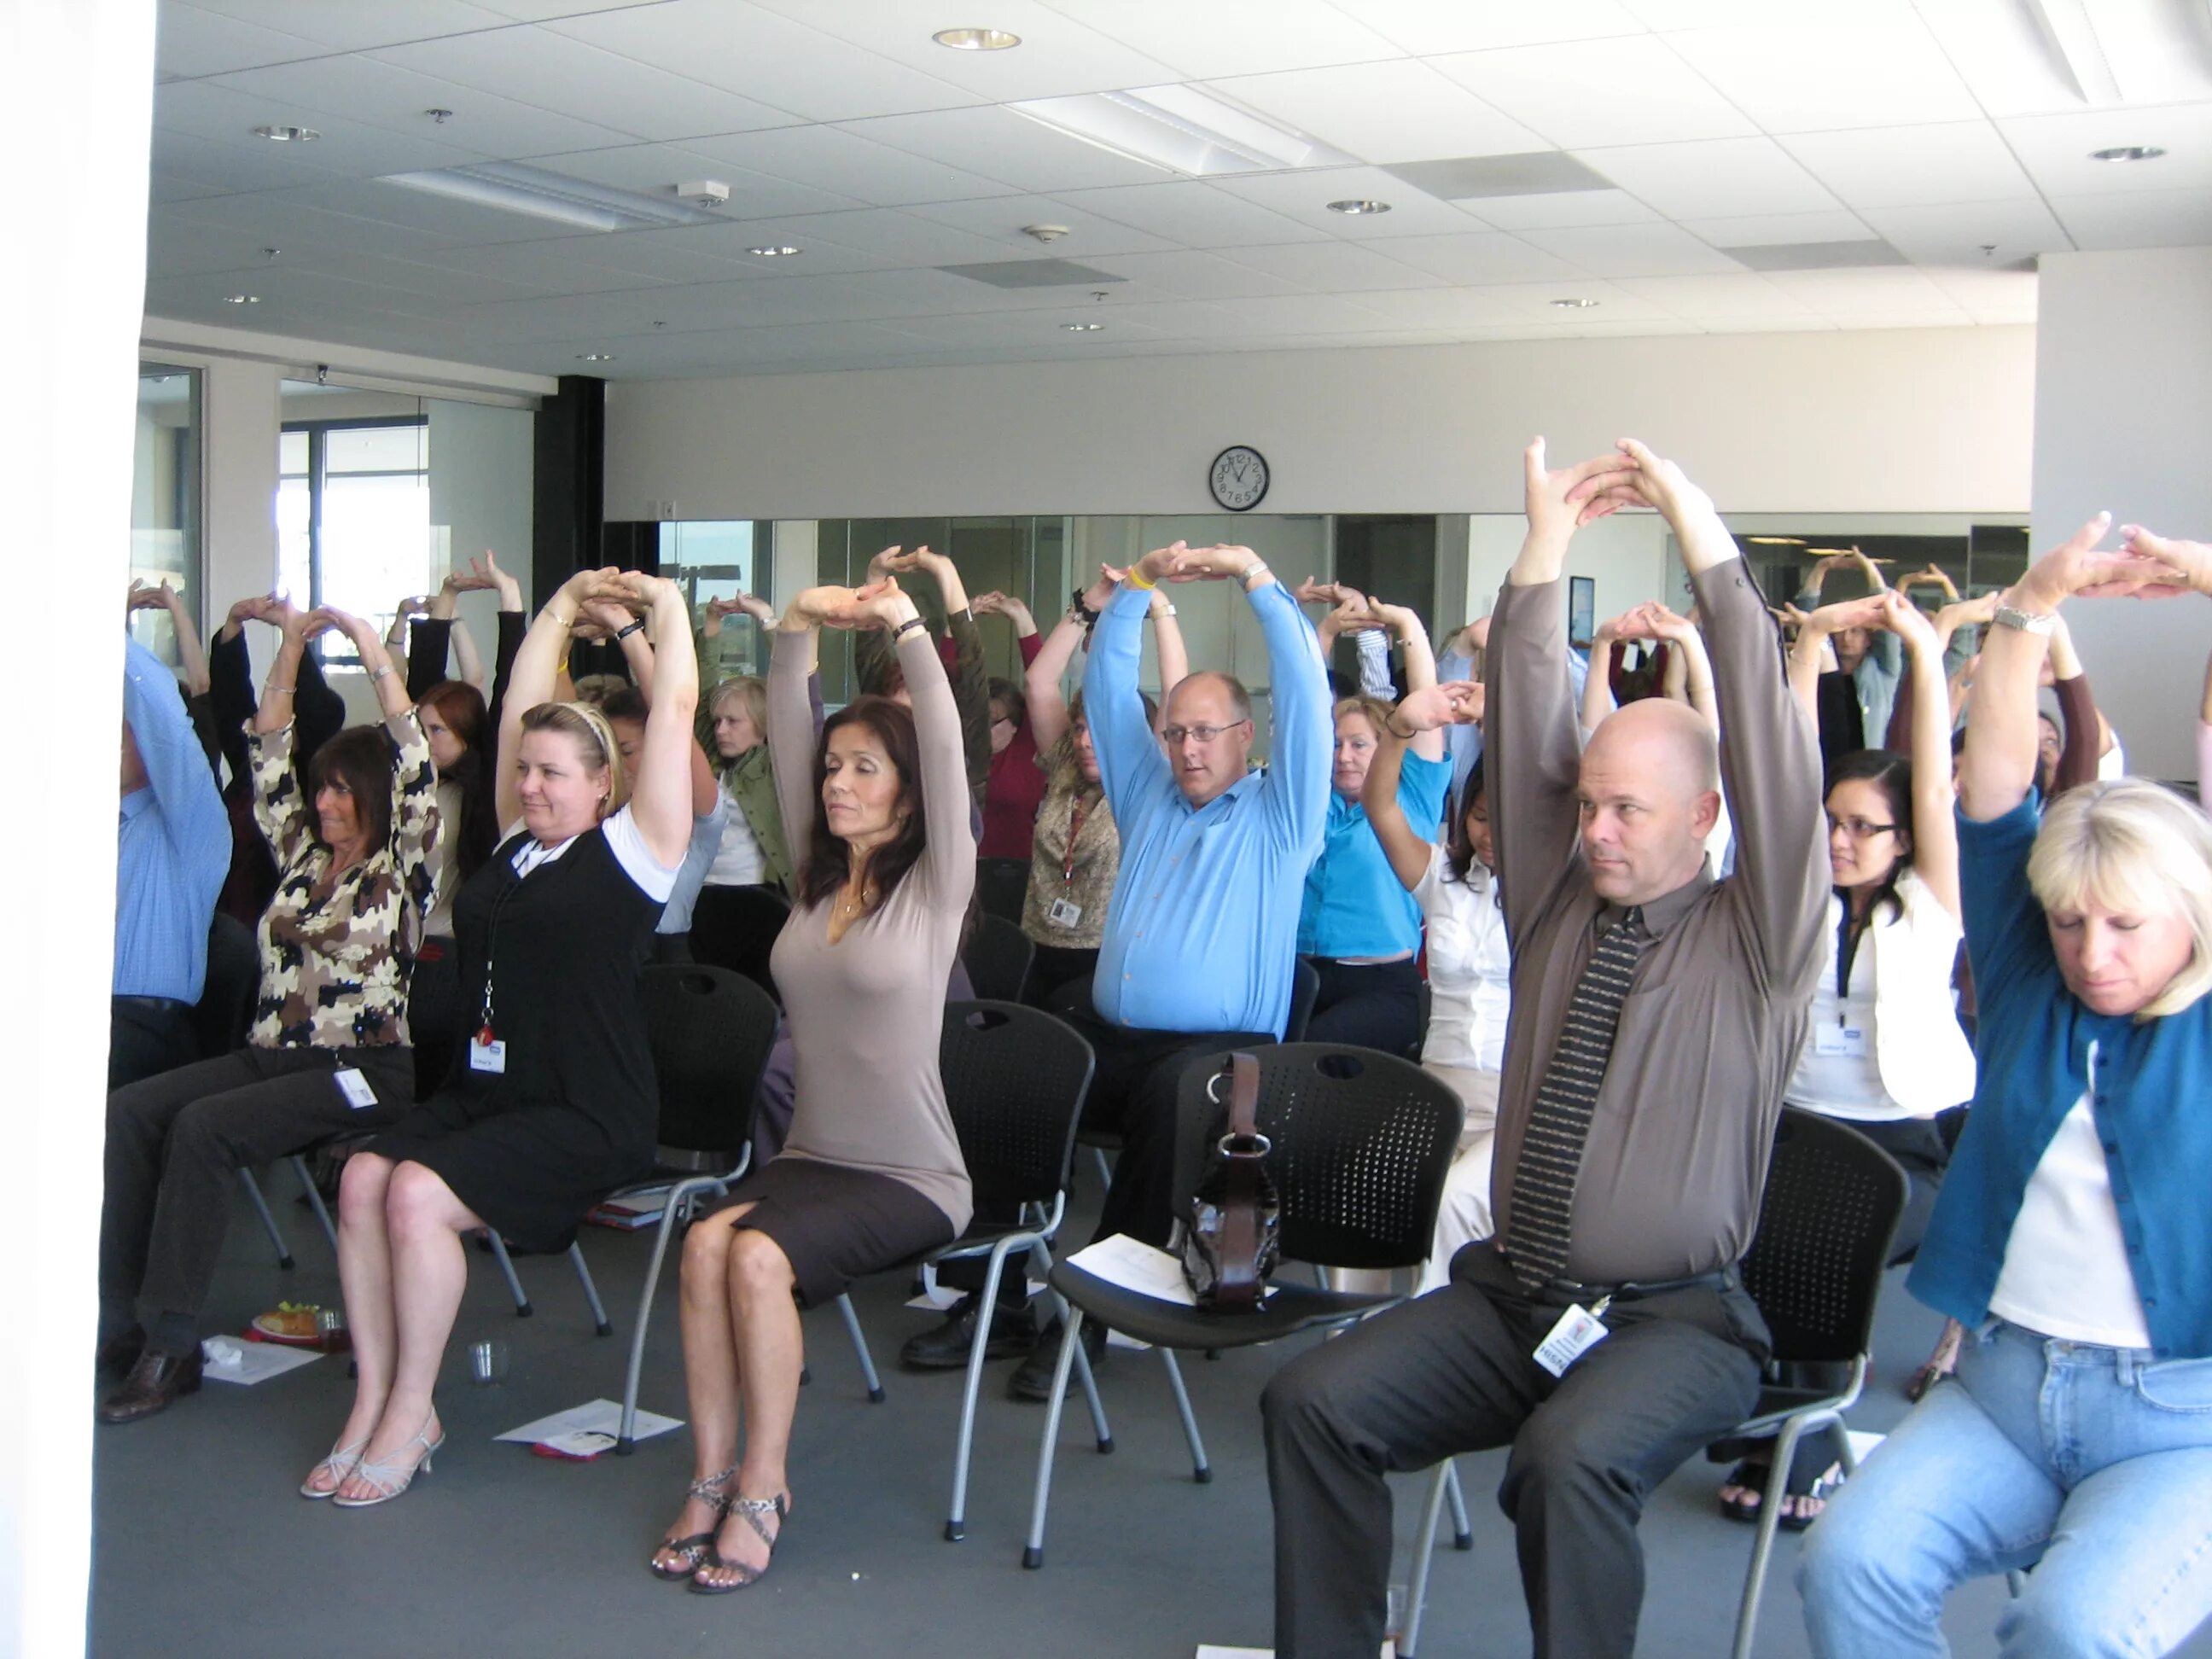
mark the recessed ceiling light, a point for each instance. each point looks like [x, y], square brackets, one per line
[1574, 305]
[2128, 152]
[596, 357]
[242, 299]
[1083, 328]
[1357, 205]
[281, 135]
[779, 251]
[976, 40]
[1777, 541]
[1186, 129]
[515, 188]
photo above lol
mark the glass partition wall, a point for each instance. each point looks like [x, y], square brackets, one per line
[165, 498]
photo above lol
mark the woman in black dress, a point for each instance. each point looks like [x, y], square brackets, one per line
[550, 1103]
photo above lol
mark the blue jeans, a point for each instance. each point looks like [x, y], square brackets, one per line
[2092, 1465]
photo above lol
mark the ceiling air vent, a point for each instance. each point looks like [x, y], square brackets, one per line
[1033, 273]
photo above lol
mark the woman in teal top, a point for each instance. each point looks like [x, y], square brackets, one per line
[1358, 926]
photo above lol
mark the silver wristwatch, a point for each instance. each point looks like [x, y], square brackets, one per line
[2028, 621]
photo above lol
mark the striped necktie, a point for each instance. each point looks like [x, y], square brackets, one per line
[1552, 1146]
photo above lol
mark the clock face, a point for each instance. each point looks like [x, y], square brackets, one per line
[1239, 477]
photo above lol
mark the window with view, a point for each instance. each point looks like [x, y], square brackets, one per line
[353, 516]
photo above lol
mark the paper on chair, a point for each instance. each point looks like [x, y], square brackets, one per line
[1134, 1265]
[600, 1416]
[226, 1359]
[1209, 1651]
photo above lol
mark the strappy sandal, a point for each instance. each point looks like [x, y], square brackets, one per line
[337, 1463]
[695, 1549]
[750, 1510]
[388, 1477]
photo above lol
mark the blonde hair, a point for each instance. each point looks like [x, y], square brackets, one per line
[595, 742]
[2137, 847]
[1373, 710]
[596, 689]
[753, 690]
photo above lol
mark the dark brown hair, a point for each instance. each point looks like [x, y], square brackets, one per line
[1009, 697]
[461, 707]
[827, 863]
[1890, 774]
[1459, 846]
[361, 758]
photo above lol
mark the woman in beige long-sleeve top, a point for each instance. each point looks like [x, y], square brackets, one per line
[877, 814]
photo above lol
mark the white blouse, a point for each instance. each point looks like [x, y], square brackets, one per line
[1470, 972]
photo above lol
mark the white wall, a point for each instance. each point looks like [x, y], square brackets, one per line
[1923, 420]
[2124, 411]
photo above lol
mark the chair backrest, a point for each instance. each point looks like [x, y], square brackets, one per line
[1015, 1079]
[1305, 991]
[711, 1030]
[1360, 1144]
[1830, 1212]
[224, 1014]
[998, 959]
[735, 927]
[1002, 887]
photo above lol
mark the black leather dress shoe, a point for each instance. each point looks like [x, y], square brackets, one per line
[154, 1381]
[1032, 1378]
[945, 1347]
[120, 1352]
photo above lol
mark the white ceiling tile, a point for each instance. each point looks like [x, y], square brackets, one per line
[2056, 150]
[759, 55]
[898, 239]
[1305, 196]
[1780, 229]
[344, 27]
[1803, 323]
[1672, 15]
[1043, 327]
[1702, 299]
[405, 280]
[1844, 71]
[1057, 55]
[1395, 111]
[399, 99]
[1190, 213]
[1429, 28]
[1867, 321]
[1332, 267]
[180, 242]
[1888, 292]
[1632, 250]
[1001, 145]
[2006, 58]
[833, 159]
[1187, 276]
[188, 41]
[226, 168]
[1911, 166]
[1716, 178]
[998, 221]
[1560, 211]
[1307, 313]
[550, 267]
[539, 11]
[1447, 309]
[555, 71]
[657, 169]
[2012, 292]
[661, 256]
[1627, 90]
[2175, 218]
[289, 221]
[1956, 233]
[226, 117]
[584, 320]
[1233, 37]
[1475, 258]
[1530, 303]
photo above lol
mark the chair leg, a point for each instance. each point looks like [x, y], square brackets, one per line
[861, 1350]
[599, 1322]
[956, 1520]
[1071, 1344]
[1770, 1516]
[1099, 1426]
[268, 1221]
[315, 1200]
[673, 1213]
[1201, 1470]
[1444, 1477]
[1462, 1535]
[498, 1247]
[1105, 1170]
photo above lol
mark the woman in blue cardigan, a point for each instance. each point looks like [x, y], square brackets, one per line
[2073, 1236]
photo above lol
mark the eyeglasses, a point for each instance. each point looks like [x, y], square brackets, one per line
[1176, 734]
[1858, 829]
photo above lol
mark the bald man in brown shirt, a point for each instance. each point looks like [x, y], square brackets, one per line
[1657, 1014]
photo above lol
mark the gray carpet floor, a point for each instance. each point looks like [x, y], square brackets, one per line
[201, 1546]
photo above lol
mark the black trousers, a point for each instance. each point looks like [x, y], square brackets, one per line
[146, 1036]
[1371, 1005]
[173, 1142]
[1059, 978]
[1453, 1371]
[434, 1012]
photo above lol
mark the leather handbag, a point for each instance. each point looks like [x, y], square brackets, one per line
[1232, 1240]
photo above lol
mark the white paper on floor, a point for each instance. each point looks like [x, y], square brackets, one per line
[228, 1359]
[940, 1298]
[1862, 1442]
[600, 1416]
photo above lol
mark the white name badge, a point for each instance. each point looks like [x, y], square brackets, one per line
[1061, 914]
[1842, 1041]
[1578, 1332]
[355, 1088]
[487, 1056]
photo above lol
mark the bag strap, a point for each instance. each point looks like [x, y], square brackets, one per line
[1237, 1284]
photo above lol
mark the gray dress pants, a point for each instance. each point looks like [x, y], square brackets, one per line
[1454, 1371]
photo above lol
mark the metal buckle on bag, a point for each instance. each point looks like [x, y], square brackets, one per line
[1228, 1147]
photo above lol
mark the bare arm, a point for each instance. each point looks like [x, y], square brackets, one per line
[190, 657]
[662, 794]
[1597, 685]
[1812, 655]
[1048, 716]
[1420, 668]
[1934, 822]
[464, 653]
[1688, 659]
[389, 684]
[1425, 711]
[275, 713]
[1167, 640]
[532, 680]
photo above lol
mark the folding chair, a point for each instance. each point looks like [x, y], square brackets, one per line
[998, 959]
[1002, 887]
[735, 927]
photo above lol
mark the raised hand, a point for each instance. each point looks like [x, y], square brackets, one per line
[601, 618]
[1908, 621]
[1180, 563]
[415, 604]
[2191, 560]
[1664, 623]
[1559, 503]
[1658, 484]
[1965, 613]
[1933, 576]
[2075, 567]
[142, 598]
[1454, 702]
[279, 610]
[1868, 611]
[882, 566]
[359, 629]
[644, 592]
[832, 606]
[1313, 591]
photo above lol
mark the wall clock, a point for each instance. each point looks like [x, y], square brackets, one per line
[1238, 478]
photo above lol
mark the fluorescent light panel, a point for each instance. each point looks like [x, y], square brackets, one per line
[538, 194]
[1185, 129]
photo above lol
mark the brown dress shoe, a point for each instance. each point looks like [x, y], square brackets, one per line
[120, 1352]
[154, 1381]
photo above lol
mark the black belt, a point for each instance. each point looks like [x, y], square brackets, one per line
[156, 1005]
[1721, 1278]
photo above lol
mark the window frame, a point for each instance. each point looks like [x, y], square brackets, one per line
[318, 434]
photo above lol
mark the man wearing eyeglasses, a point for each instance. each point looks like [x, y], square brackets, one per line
[1201, 935]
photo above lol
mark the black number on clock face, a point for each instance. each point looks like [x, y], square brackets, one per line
[1239, 477]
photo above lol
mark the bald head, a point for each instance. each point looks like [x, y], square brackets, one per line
[1208, 734]
[1649, 797]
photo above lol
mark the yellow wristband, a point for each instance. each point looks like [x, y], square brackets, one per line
[1137, 579]
[562, 669]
